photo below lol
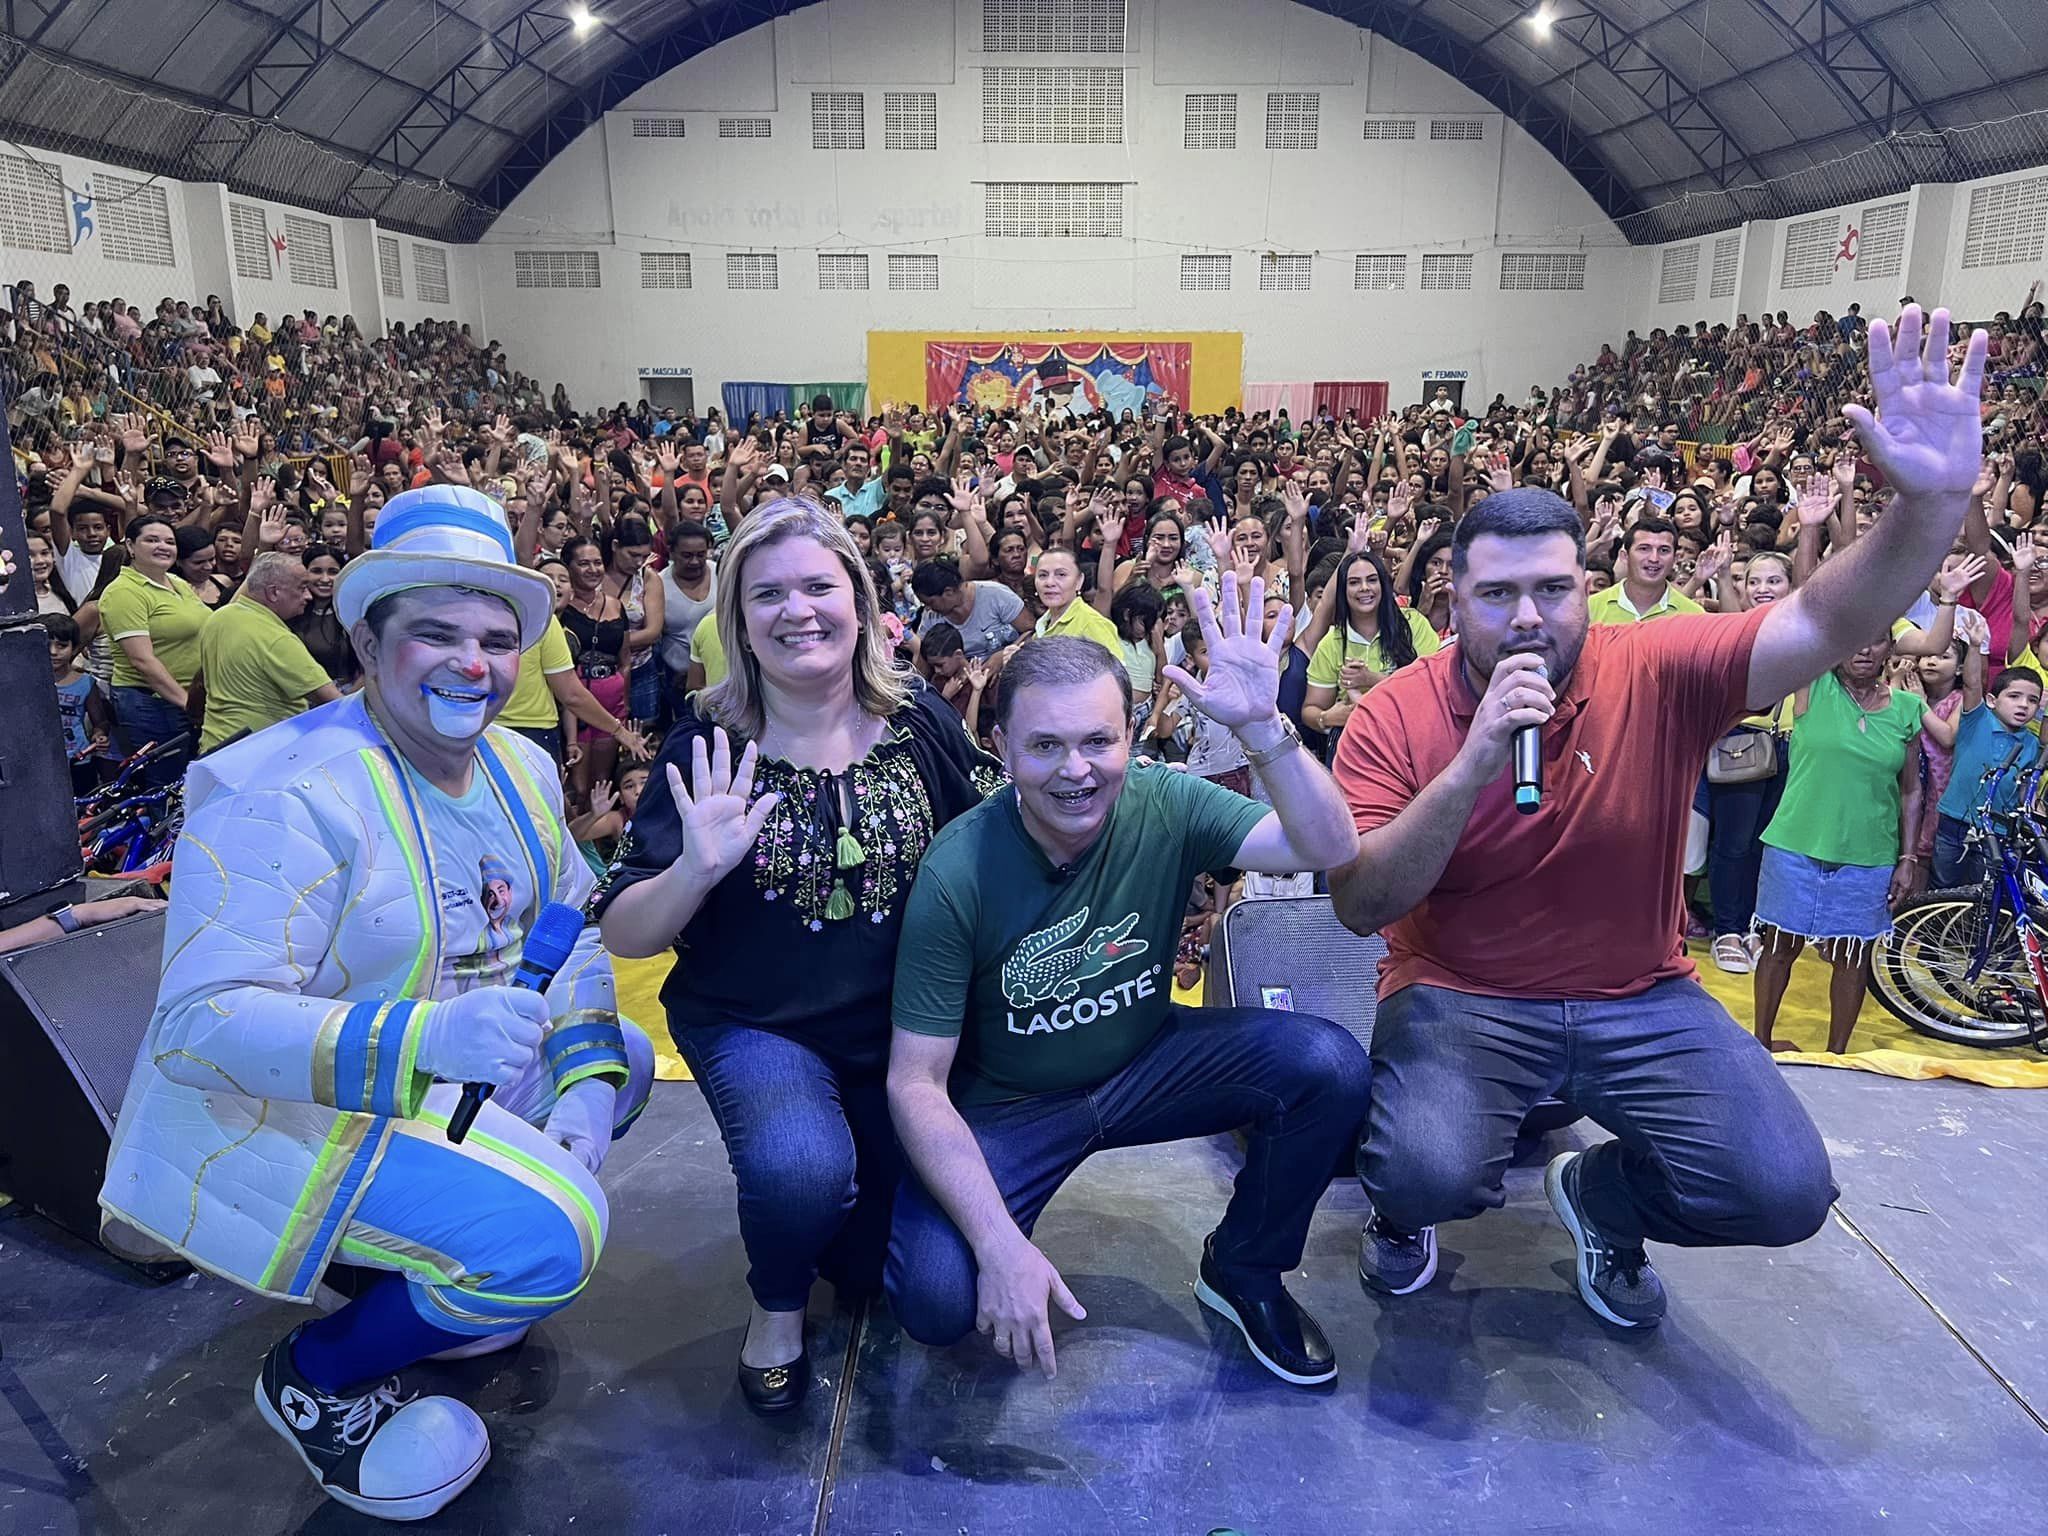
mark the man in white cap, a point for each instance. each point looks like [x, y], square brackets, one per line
[350, 897]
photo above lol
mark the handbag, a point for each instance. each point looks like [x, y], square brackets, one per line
[1746, 754]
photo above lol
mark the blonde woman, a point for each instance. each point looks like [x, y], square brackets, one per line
[774, 851]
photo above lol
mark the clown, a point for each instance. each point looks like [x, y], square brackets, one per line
[348, 900]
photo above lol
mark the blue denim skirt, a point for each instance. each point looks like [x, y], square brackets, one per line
[643, 689]
[1815, 900]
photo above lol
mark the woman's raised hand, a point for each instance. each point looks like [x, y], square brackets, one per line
[719, 826]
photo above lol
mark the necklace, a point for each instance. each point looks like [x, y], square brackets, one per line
[1880, 691]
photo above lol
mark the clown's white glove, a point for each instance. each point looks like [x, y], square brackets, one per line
[581, 1121]
[491, 1035]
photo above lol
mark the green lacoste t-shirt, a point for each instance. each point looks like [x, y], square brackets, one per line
[1054, 978]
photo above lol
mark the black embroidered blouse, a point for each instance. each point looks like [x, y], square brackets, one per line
[769, 948]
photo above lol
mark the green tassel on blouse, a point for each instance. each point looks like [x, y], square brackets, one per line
[847, 855]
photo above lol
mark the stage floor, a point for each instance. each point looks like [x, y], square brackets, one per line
[1892, 1373]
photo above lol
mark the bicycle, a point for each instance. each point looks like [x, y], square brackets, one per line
[1969, 964]
[126, 830]
[120, 786]
[135, 834]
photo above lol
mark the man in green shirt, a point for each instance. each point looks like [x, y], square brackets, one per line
[1034, 1021]
[1645, 590]
[254, 671]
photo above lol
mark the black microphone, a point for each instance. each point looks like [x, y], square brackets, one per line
[546, 951]
[1529, 764]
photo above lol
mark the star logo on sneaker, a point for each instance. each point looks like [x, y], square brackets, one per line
[302, 1412]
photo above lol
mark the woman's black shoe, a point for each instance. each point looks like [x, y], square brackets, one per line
[776, 1388]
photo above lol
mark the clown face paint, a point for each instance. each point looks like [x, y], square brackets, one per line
[457, 715]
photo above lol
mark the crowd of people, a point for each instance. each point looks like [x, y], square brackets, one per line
[190, 469]
[972, 720]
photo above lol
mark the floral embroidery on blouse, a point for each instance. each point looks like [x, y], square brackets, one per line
[796, 857]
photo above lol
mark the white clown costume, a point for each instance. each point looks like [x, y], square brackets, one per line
[301, 955]
[326, 901]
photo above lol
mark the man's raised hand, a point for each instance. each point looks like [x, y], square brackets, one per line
[1243, 685]
[1927, 434]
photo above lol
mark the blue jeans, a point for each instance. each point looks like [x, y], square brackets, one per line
[1299, 1082]
[815, 1156]
[145, 716]
[1955, 862]
[1737, 815]
[1711, 1148]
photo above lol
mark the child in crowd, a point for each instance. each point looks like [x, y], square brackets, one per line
[960, 682]
[1991, 724]
[598, 830]
[87, 716]
[1138, 612]
[1940, 680]
[892, 554]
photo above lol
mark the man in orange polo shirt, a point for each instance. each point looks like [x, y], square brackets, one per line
[1539, 954]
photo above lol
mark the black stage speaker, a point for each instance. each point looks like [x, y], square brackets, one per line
[17, 597]
[72, 1016]
[1292, 952]
[38, 818]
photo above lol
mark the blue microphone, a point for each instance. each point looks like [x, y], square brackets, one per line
[546, 951]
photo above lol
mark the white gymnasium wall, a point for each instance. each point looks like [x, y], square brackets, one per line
[200, 255]
[1921, 242]
[1995, 274]
[617, 192]
[83, 259]
[465, 299]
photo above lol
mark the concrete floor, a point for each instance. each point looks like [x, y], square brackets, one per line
[1892, 1373]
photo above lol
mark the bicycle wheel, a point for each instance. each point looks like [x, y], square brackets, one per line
[1921, 972]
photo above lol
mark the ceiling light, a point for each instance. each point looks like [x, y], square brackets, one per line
[581, 19]
[1540, 20]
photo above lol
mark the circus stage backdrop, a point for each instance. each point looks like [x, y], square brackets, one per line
[1085, 374]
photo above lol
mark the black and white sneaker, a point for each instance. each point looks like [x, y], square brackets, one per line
[1395, 1263]
[380, 1453]
[1286, 1340]
[1616, 1281]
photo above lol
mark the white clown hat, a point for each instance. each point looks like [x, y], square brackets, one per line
[444, 536]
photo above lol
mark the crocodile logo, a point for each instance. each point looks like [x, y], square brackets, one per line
[1039, 970]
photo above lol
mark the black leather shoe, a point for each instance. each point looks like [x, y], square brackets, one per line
[1285, 1338]
[776, 1388]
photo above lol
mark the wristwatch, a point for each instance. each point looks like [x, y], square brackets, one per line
[1290, 739]
[66, 917]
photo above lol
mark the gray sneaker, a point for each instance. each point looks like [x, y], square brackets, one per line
[1616, 1282]
[1395, 1263]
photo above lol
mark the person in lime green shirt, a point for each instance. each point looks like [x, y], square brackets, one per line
[1367, 636]
[1646, 591]
[1839, 850]
[154, 620]
[1067, 612]
[255, 671]
[707, 656]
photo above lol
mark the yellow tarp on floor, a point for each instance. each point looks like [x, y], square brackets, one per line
[1881, 1043]
[639, 983]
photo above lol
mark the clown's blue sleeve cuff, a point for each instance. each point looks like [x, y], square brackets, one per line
[587, 1044]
